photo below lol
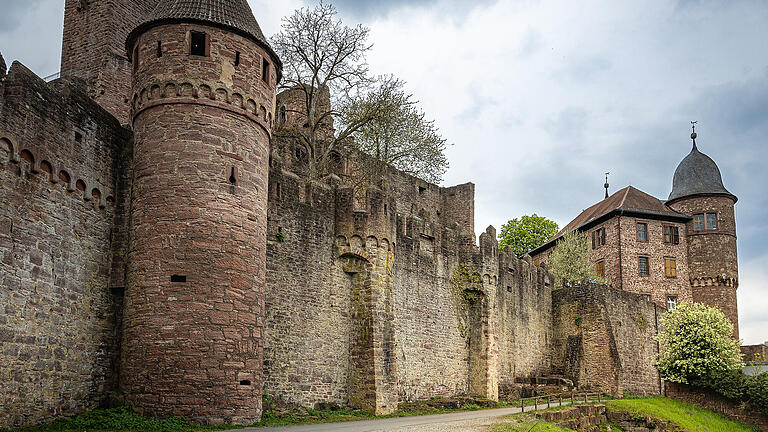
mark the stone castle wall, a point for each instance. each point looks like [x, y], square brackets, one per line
[360, 298]
[604, 339]
[59, 315]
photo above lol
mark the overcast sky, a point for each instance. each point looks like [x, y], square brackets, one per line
[539, 99]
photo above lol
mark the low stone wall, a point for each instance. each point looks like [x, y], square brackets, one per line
[729, 408]
[582, 418]
[631, 422]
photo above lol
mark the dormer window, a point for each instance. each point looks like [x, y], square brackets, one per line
[198, 44]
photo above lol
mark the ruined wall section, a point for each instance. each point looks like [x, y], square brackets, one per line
[603, 338]
[59, 325]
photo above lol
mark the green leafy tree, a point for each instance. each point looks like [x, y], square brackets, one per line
[758, 392]
[526, 234]
[697, 346]
[569, 262]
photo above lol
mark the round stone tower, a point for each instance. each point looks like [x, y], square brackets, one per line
[203, 97]
[698, 191]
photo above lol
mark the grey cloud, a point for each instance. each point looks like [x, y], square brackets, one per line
[13, 12]
[568, 124]
[584, 69]
[373, 8]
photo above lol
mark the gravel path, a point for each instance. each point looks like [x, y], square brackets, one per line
[474, 421]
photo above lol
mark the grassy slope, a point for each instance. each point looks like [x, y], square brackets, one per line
[526, 423]
[687, 416]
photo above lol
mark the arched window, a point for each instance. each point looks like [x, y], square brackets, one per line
[282, 115]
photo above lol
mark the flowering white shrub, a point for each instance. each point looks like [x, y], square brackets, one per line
[696, 344]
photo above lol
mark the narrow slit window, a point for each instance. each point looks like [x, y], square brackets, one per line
[159, 49]
[245, 382]
[237, 58]
[232, 176]
[198, 43]
[265, 71]
[178, 278]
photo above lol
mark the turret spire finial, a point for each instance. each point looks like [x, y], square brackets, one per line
[606, 184]
[693, 134]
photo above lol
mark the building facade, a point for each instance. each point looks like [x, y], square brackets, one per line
[680, 250]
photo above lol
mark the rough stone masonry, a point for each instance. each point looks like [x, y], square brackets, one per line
[160, 242]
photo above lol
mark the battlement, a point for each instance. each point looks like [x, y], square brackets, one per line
[67, 159]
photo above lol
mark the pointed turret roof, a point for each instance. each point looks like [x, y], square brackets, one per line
[234, 15]
[697, 174]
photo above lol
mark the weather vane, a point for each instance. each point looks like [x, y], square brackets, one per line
[693, 134]
[606, 184]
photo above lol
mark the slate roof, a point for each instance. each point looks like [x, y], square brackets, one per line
[697, 174]
[233, 15]
[629, 201]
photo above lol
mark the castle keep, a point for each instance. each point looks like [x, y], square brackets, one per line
[160, 245]
[681, 250]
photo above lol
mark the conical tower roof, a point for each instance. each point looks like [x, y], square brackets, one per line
[233, 15]
[697, 174]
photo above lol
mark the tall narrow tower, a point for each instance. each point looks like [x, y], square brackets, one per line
[93, 48]
[203, 96]
[698, 191]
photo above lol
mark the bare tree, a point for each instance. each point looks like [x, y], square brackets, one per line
[319, 54]
[400, 136]
[323, 56]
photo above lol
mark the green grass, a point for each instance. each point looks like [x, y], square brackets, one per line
[120, 419]
[124, 419]
[313, 416]
[526, 423]
[689, 417]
